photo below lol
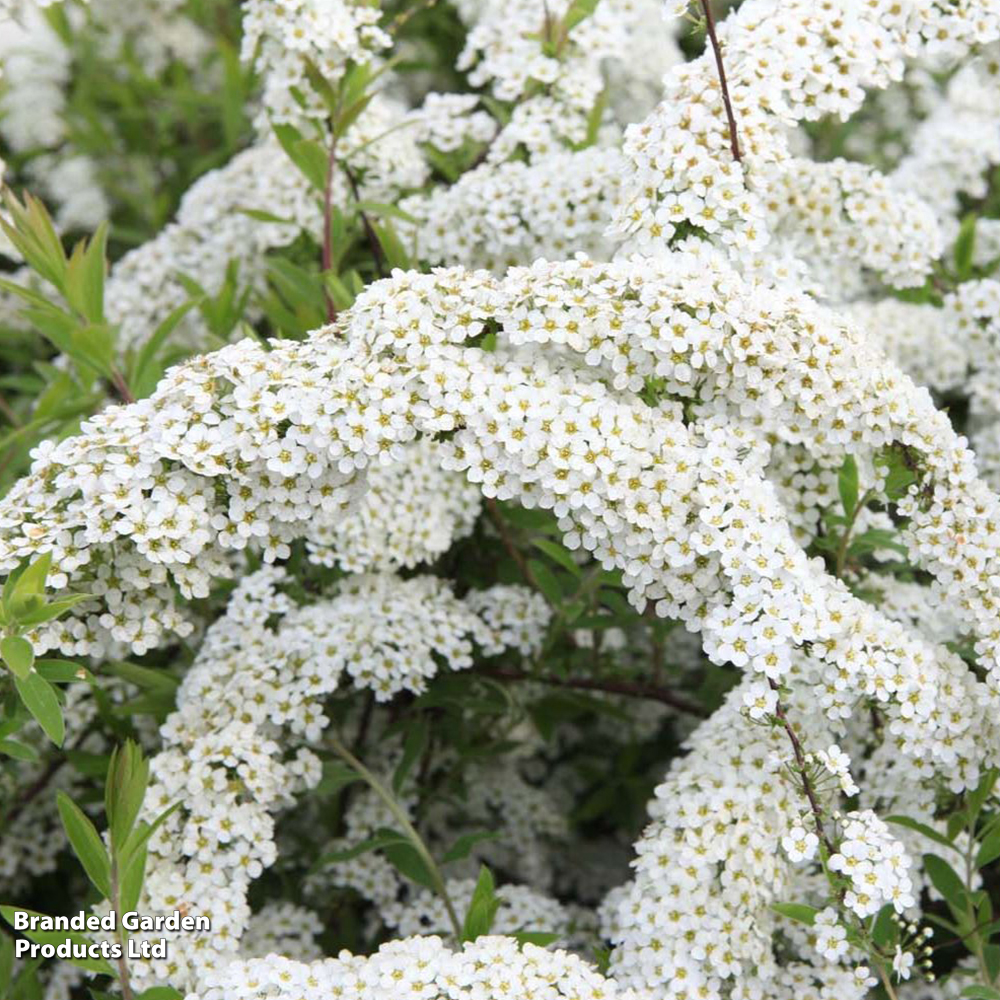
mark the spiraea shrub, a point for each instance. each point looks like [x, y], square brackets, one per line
[499, 500]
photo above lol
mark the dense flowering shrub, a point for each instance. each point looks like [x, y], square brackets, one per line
[500, 500]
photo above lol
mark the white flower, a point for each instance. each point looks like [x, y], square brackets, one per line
[760, 701]
[800, 845]
[902, 963]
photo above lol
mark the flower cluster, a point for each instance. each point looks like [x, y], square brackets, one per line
[875, 863]
[282, 39]
[489, 968]
[521, 910]
[412, 512]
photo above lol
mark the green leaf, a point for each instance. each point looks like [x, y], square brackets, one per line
[982, 792]
[579, 10]
[17, 653]
[847, 485]
[124, 790]
[139, 837]
[559, 554]
[798, 912]
[63, 671]
[946, 881]
[52, 610]
[392, 246]
[463, 846]
[929, 832]
[131, 880]
[85, 276]
[541, 938]
[380, 839]
[965, 246]
[18, 750]
[989, 849]
[160, 993]
[142, 677]
[6, 963]
[145, 369]
[308, 155]
[546, 581]
[39, 697]
[86, 843]
[884, 926]
[405, 859]
[980, 993]
[991, 957]
[97, 966]
[413, 748]
[336, 776]
[482, 908]
[30, 583]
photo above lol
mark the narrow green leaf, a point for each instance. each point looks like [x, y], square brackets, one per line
[560, 554]
[52, 610]
[86, 843]
[847, 485]
[463, 846]
[413, 748]
[63, 671]
[97, 966]
[546, 581]
[124, 790]
[39, 697]
[540, 938]
[946, 881]
[405, 859]
[989, 849]
[17, 653]
[336, 776]
[483, 907]
[980, 993]
[927, 831]
[797, 911]
[965, 247]
[18, 750]
[380, 839]
[6, 963]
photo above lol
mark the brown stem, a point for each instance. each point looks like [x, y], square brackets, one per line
[734, 143]
[327, 251]
[124, 980]
[7, 410]
[508, 543]
[631, 689]
[41, 782]
[373, 240]
[121, 386]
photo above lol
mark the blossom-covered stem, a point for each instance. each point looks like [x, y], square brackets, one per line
[630, 689]
[405, 825]
[800, 762]
[734, 142]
